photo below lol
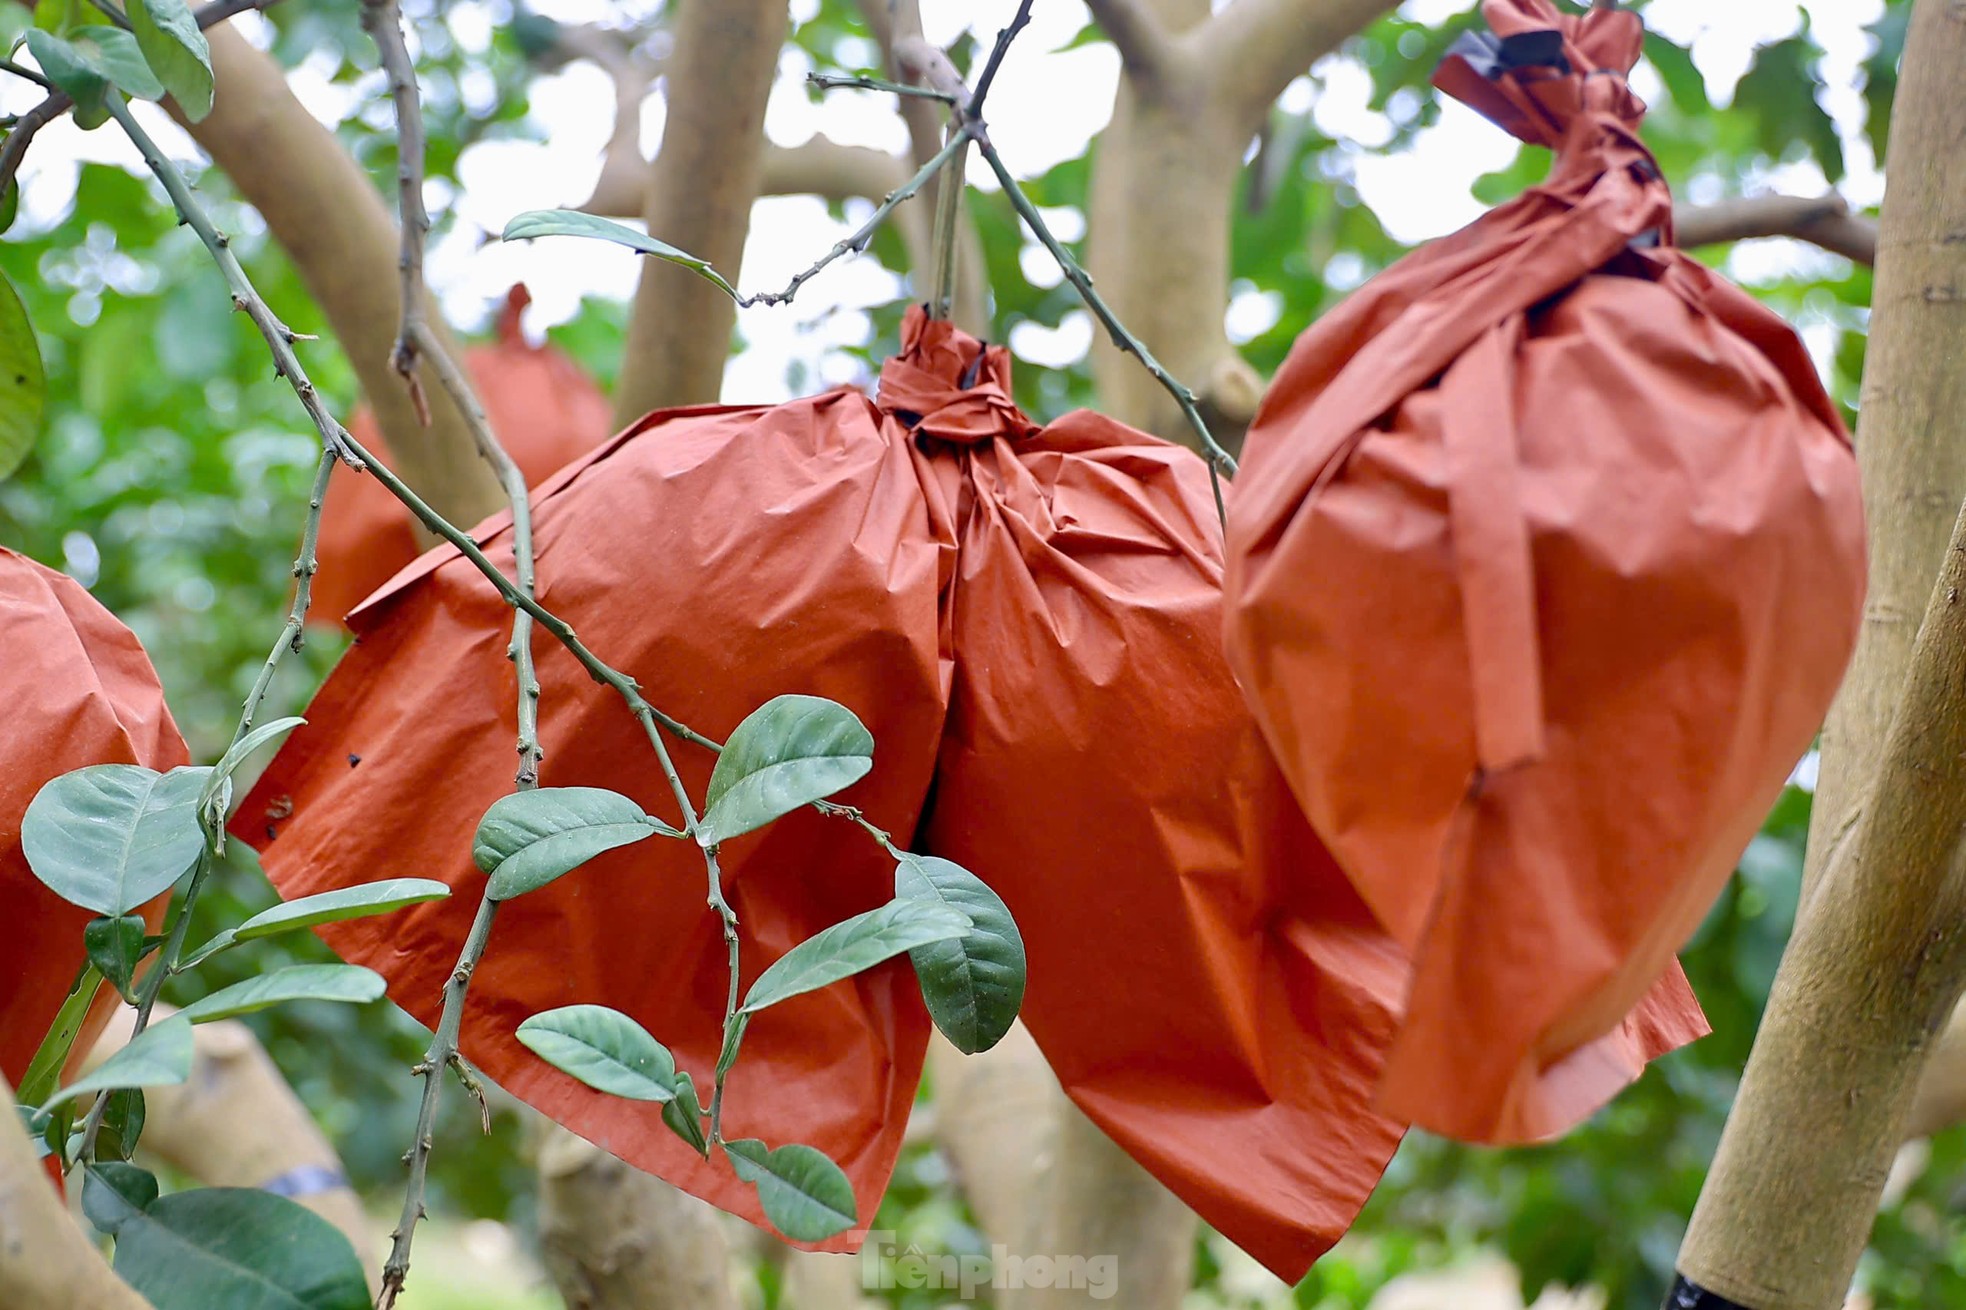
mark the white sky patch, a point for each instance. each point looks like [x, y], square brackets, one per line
[1045, 108]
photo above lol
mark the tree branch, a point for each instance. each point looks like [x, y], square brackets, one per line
[1824, 221]
[322, 208]
[383, 20]
[700, 192]
[1135, 33]
[1253, 49]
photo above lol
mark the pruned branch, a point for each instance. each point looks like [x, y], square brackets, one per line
[1137, 35]
[1824, 221]
[1253, 49]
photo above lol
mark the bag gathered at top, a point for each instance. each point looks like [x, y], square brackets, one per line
[1028, 620]
[1546, 560]
[546, 411]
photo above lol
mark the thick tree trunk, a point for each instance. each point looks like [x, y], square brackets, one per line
[1876, 961]
[615, 1238]
[327, 214]
[45, 1261]
[701, 189]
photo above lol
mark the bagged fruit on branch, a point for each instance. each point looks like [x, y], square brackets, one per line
[80, 692]
[1546, 560]
[544, 410]
[1027, 618]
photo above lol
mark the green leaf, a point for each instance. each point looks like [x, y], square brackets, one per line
[32, 1123]
[115, 1193]
[122, 1124]
[176, 51]
[44, 1070]
[23, 383]
[301, 982]
[233, 1248]
[529, 838]
[789, 752]
[355, 902]
[603, 1048]
[112, 836]
[974, 983]
[236, 754]
[159, 1056]
[115, 55]
[684, 1115]
[70, 71]
[852, 945]
[805, 1195]
[572, 223]
[115, 946]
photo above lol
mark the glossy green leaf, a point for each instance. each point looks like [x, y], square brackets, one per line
[349, 983]
[71, 72]
[572, 223]
[44, 1069]
[974, 983]
[355, 902]
[115, 947]
[159, 1056]
[227, 1248]
[110, 837]
[236, 754]
[176, 50]
[852, 945]
[32, 1123]
[805, 1195]
[113, 1193]
[529, 838]
[23, 383]
[603, 1048]
[122, 1124]
[15, 20]
[789, 752]
[684, 1115]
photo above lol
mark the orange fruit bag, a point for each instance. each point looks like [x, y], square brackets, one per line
[1028, 620]
[1547, 559]
[80, 691]
[544, 409]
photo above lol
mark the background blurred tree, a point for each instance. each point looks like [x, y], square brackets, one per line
[172, 470]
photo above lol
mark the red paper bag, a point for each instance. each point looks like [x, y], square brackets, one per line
[1547, 558]
[1028, 620]
[80, 691]
[545, 411]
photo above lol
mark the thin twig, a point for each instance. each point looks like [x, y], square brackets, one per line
[112, 13]
[383, 20]
[22, 136]
[19, 70]
[974, 106]
[865, 83]
[948, 220]
[1220, 462]
[858, 241]
[220, 10]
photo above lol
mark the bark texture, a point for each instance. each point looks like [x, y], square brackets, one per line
[615, 1238]
[327, 214]
[1879, 951]
[701, 189]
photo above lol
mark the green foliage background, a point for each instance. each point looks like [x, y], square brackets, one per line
[171, 476]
